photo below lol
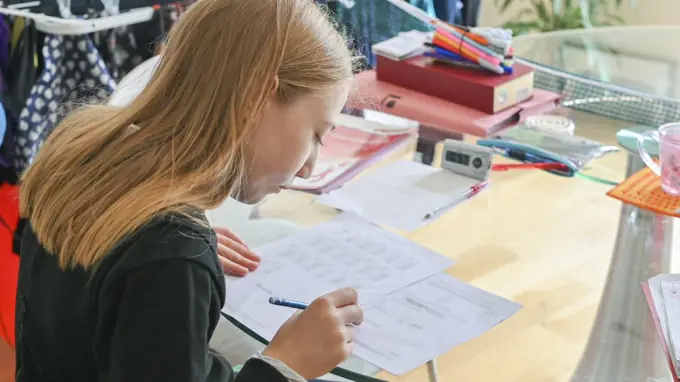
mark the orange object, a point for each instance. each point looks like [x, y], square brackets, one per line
[643, 190]
[473, 37]
[465, 47]
[458, 49]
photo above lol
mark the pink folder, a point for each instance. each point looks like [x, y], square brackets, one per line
[440, 116]
[657, 324]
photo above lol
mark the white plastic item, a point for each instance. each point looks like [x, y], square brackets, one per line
[134, 82]
[551, 124]
[73, 26]
[349, 4]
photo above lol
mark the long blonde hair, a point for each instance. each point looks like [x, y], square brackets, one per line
[104, 171]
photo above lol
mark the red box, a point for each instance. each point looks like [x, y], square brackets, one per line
[477, 89]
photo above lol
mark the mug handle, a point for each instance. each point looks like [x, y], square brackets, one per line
[653, 134]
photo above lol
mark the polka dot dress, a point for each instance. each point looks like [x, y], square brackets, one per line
[74, 71]
[119, 48]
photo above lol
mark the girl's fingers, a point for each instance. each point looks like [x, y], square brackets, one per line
[235, 257]
[228, 233]
[238, 247]
[231, 268]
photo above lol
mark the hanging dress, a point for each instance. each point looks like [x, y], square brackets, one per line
[119, 48]
[5, 41]
[74, 74]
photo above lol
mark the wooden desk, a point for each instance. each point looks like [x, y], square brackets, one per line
[546, 242]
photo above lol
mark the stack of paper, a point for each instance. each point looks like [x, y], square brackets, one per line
[439, 116]
[403, 45]
[404, 195]
[663, 298]
[413, 312]
[352, 146]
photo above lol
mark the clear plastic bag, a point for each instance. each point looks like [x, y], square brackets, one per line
[579, 150]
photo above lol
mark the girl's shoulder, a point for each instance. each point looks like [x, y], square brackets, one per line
[168, 237]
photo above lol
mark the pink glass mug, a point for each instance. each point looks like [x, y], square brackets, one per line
[668, 168]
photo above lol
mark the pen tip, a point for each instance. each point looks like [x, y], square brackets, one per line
[272, 300]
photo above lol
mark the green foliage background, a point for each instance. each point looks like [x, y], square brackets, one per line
[552, 15]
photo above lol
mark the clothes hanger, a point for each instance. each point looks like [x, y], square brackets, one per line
[347, 3]
[68, 25]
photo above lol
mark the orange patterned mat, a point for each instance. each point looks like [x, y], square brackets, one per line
[643, 190]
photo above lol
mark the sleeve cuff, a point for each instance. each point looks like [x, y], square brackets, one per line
[282, 368]
[257, 370]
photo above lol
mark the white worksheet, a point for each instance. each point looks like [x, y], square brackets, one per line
[400, 194]
[345, 252]
[407, 328]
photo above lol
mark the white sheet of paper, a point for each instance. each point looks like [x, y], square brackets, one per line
[345, 252]
[399, 194]
[670, 291]
[407, 328]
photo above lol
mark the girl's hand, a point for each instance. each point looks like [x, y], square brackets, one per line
[234, 255]
[316, 340]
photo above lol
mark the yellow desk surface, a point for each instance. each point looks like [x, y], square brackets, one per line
[541, 240]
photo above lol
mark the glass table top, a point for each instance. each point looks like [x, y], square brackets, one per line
[573, 257]
[641, 58]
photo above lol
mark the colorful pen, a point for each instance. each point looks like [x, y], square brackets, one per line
[469, 193]
[288, 303]
[530, 158]
[540, 166]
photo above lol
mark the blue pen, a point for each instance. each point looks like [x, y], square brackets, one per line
[288, 303]
[461, 63]
[524, 156]
[292, 304]
[449, 54]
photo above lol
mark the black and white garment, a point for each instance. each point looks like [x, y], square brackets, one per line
[119, 48]
[74, 74]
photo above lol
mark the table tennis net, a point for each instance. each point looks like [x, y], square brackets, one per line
[605, 99]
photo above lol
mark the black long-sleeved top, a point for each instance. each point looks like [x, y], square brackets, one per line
[144, 313]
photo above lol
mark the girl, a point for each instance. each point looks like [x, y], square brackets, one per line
[119, 275]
